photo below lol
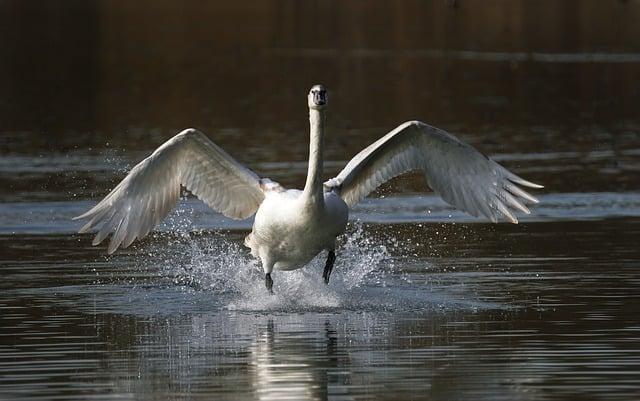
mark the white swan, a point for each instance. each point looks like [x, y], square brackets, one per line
[292, 226]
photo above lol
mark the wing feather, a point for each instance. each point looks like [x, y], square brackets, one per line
[152, 188]
[457, 172]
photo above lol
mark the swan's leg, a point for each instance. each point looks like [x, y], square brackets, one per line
[328, 267]
[268, 282]
[267, 266]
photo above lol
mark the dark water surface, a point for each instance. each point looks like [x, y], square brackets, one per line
[426, 303]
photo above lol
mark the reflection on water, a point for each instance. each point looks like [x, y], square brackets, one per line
[289, 366]
[425, 302]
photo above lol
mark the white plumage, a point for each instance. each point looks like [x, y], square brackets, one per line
[457, 172]
[152, 188]
[292, 226]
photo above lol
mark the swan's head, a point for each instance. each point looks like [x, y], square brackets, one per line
[317, 97]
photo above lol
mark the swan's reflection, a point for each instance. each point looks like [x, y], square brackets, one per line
[293, 364]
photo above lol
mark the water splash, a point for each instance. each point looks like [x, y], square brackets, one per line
[366, 276]
[217, 263]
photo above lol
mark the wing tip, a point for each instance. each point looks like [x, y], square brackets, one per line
[85, 228]
[86, 214]
[521, 181]
[97, 240]
[510, 217]
[531, 198]
[113, 246]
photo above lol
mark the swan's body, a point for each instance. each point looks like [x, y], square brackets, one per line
[289, 231]
[292, 226]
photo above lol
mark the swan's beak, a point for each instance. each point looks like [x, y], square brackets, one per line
[319, 98]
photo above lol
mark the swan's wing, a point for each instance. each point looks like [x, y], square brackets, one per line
[457, 172]
[152, 188]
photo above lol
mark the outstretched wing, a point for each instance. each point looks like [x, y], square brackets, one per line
[152, 188]
[457, 172]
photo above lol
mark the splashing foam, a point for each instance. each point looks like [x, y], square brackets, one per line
[225, 268]
[364, 277]
[218, 263]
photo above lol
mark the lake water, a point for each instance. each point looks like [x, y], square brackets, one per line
[425, 302]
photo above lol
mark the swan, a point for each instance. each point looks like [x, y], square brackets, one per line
[292, 226]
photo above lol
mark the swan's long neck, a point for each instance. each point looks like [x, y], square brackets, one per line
[313, 187]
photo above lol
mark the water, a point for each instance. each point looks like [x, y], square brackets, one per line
[425, 302]
[544, 310]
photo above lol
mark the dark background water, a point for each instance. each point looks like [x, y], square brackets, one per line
[425, 305]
